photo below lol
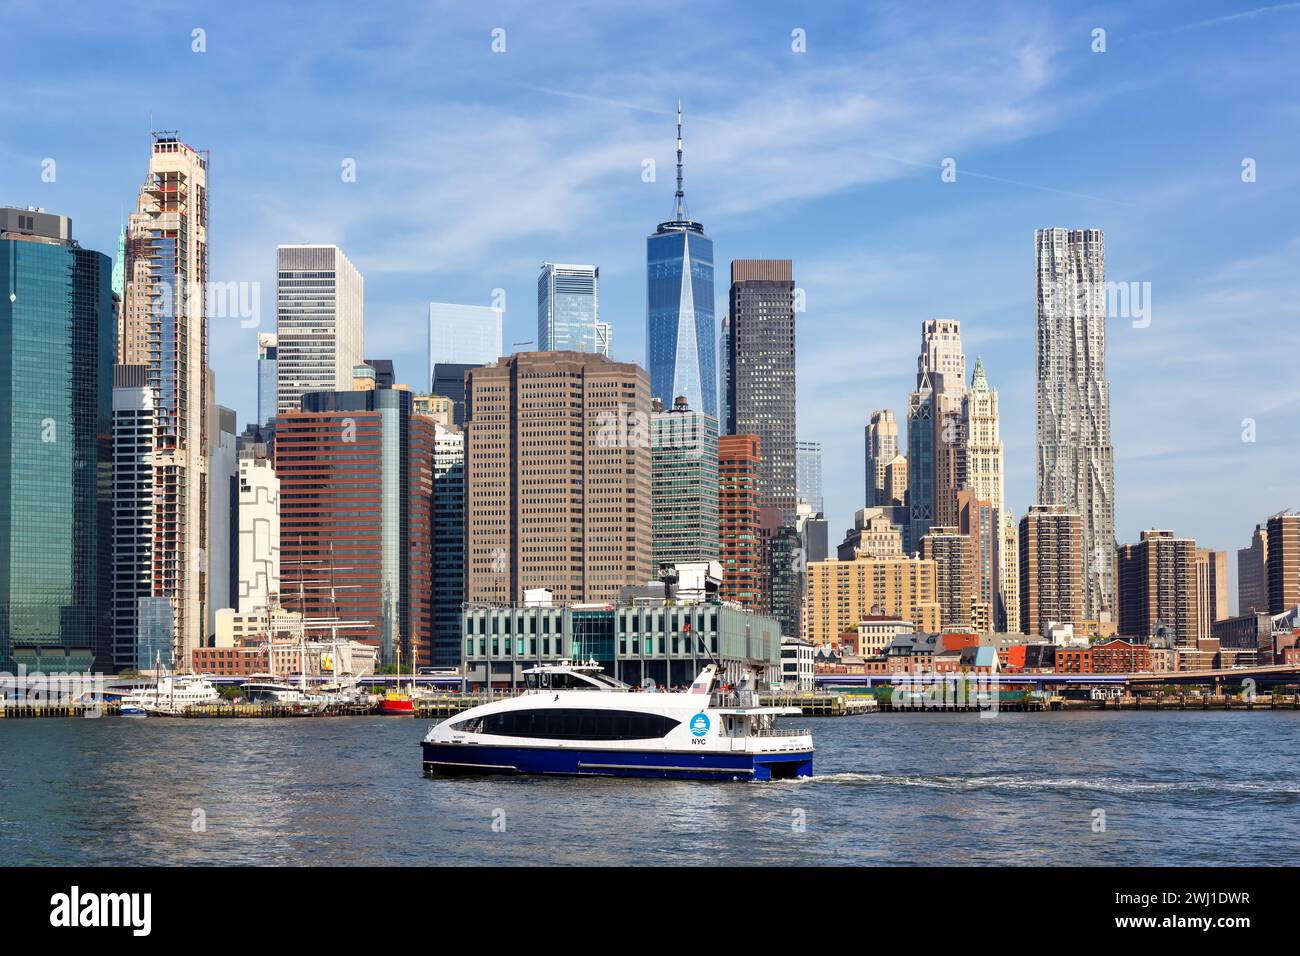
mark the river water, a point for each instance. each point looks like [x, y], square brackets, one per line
[1102, 788]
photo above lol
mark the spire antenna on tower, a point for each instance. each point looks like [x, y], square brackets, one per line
[681, 195]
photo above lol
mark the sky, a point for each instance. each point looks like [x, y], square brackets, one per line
[817, 133]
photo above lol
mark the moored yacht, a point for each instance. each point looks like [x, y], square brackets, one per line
[170, 696]
[574, 719]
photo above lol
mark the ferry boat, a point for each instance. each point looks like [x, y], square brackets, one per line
[574, 719]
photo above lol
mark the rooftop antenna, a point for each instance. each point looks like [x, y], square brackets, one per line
[681, 195]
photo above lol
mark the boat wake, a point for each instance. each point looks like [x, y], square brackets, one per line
[1013, 783]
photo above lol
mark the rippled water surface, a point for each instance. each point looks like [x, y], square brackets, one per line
[1174, 789]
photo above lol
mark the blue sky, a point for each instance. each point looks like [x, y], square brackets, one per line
[474, 166]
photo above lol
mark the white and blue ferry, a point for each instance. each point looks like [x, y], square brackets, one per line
[573, 719]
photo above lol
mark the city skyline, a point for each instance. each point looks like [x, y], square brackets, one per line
[1218, 291]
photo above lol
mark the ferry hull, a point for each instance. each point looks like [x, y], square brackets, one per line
[441, 759]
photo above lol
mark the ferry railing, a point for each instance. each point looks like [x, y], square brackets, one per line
[734, 698]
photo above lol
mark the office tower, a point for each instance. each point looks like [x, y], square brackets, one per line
[935, 431]
[786, 564]
[808, 473]
[979, 521]
[268, 378]
[356, 481]
[882, 448]
[983, 454]
[875, 532]
[133, 431]
[814, 532]
[954, 579]
[724, 376]
[223, 509]
[384, 376]
[1076, 466]
[557, 473]
[684, 488]
[841, 594]
[1283, 567]
[463, 335]
[761, 367]
[1158, 584]
[449, 380]
[1051, 569]
[568, 309]
[320, 322]
[448, 543]
[56, 361]
[164, 323]
[738, 479]
[1009, 560]
[259, 535]
[1211, 589]
[894, 494]
[942, 358]
[679, 307]
[1252, 573]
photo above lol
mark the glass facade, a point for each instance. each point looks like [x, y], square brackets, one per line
[568, 310]
[57, 344]
[681, 340]
[665, 644]
[463, 335]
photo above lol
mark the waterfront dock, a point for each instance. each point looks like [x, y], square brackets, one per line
[822, 705]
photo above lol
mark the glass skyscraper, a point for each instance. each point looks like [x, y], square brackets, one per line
[568, 310]
[57, 343]
[681, 339]
[463, 335]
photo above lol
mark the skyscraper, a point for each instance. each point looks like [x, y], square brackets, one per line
[979, 521]
[223, 509]
[259, 534]
[684, 449]
[1211, 589]
[557, 477]
[738, 477]
[983, 453]
[133, 510]
[1158, 584]
[1252, 573]
[882, 447]
[761, 366]
[568, 310]
[935, 431]
[955, 579]
[1076, 467]
[356, 480]
[808, 473]
[1051, 569]
[944, 360]
[164, 327]
[463, 335]
[1283, 567]
[268, 378]
[449, 381]
[448, 543]
[56, 360]
[1007, 615]
[320, 322]
[680, 335]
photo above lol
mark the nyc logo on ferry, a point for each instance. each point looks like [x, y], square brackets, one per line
[700, 724]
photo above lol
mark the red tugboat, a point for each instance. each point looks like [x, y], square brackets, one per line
[396, 703]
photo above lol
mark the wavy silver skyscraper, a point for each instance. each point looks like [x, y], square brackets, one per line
[681, 339]
[1076, 465]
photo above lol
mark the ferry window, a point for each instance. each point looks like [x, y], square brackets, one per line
[573, 724]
